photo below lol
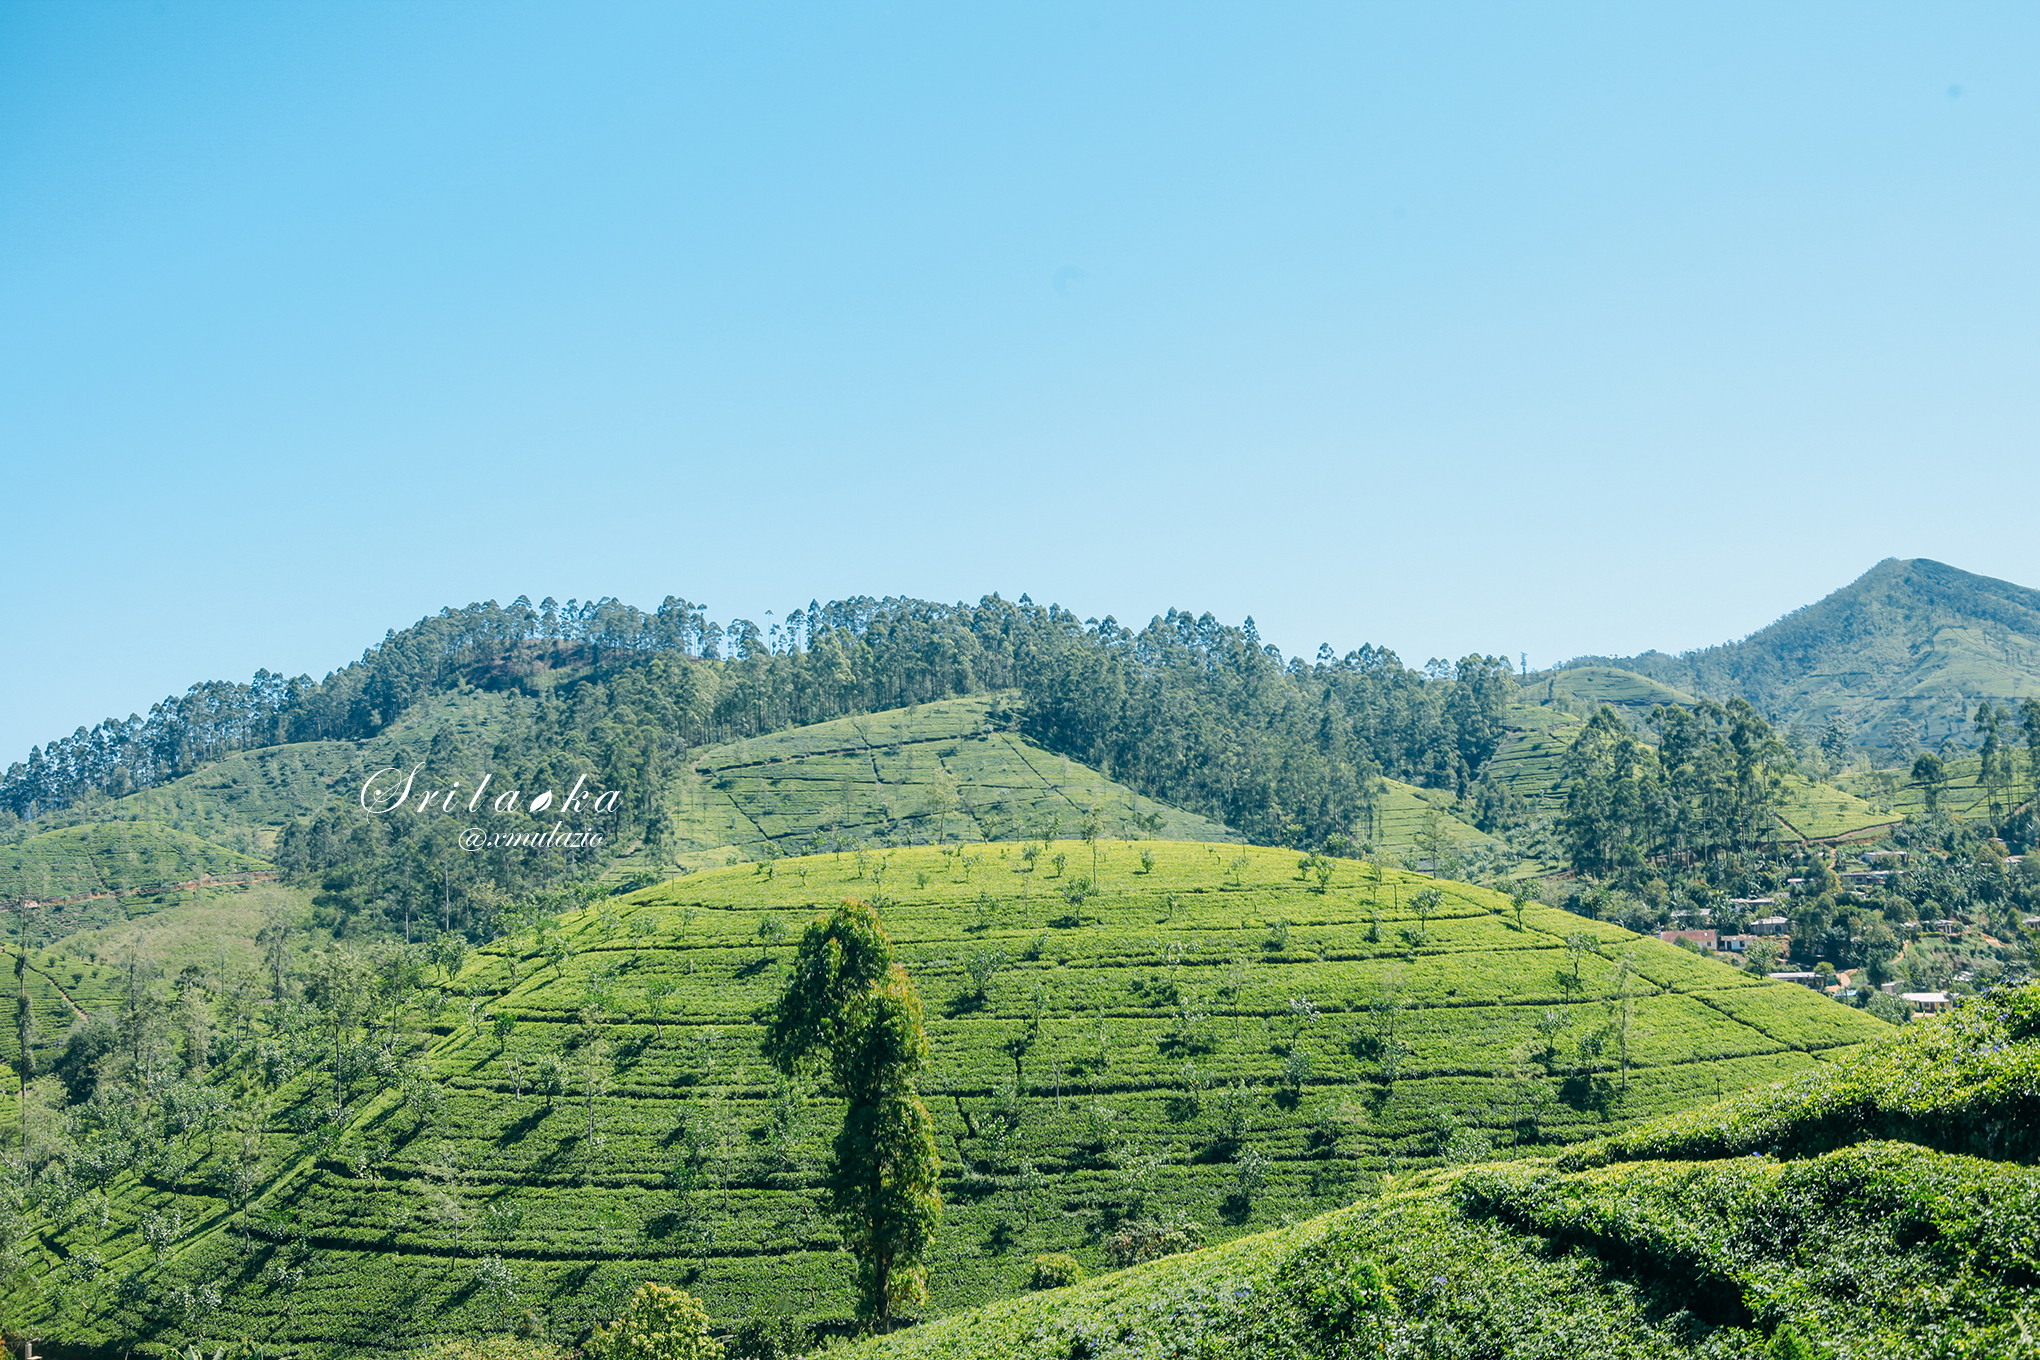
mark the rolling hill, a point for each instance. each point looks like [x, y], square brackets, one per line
[1885, 1206]
[111, 858]
[1531, 757]
[944, 771]
[1216, 1042]
[949, 770]
[1912, 640]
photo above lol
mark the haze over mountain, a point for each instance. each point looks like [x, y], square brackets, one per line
[1911, 640]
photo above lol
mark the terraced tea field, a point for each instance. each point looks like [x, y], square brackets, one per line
[1216, 1039]
[937, 772]
[112, 857]
[1962, 796]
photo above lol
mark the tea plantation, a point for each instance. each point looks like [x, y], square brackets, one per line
[106, 858]
[943, 771]
[1830, 1216]
[1164, 1041]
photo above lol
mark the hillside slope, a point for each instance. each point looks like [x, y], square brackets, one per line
[1530, 762]
[1886, 1206]
[1910, 639]
[943, 771]
[112, 857]
[1218, 1040]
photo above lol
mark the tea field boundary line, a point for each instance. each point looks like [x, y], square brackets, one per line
[1753, 1025]
[69, 1000]
[1050, 785]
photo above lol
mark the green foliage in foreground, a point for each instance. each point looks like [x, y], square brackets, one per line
[1871, 1250]
[1134, 1047]
[661, 1323]
[1967, 1083]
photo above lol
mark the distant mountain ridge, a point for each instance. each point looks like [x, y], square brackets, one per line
[1910, 640]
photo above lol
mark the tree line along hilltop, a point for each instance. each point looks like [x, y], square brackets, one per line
[1203, 940]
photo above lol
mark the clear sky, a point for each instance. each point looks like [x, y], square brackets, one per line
[1523, 328]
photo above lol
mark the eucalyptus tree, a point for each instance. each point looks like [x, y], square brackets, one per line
[849, 1006]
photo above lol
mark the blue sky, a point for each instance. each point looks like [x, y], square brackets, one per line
[1545, 329]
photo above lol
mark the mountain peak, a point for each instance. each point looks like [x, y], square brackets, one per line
[1911, 640]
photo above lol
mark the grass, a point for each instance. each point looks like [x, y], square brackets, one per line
[1597, 685]
[1963, 796]
[1820, 811]
[1170, 1043]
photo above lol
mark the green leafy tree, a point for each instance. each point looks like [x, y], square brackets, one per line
[981, 966]
[1932, 776]
[1578, 946]
[658, 992]
[1615, 797]
[1834, 741]
[849, 1005]
[1482, 689]
[278, 925]
[1427, 903]
[660, 1323]
[771, 931]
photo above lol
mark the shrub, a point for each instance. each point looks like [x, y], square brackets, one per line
[1054, 1271]
[1788, 1344]
[493, 1348]
[660, 1323]
[1341, 1293]
[1148, 1239]
[769, 1338]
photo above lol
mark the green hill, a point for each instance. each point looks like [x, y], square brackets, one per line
[948, 770]
[945, 771]
[245, 798]
[112, 858]
[77, 967]
[1212, 1044]
[1589, 687]
[1911, 640]
[1530, 763]
[1885, 1206]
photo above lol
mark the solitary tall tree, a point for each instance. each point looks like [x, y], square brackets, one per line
[849, 1006]
[2029, 723]
[1994, 765]
[1930, 774]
